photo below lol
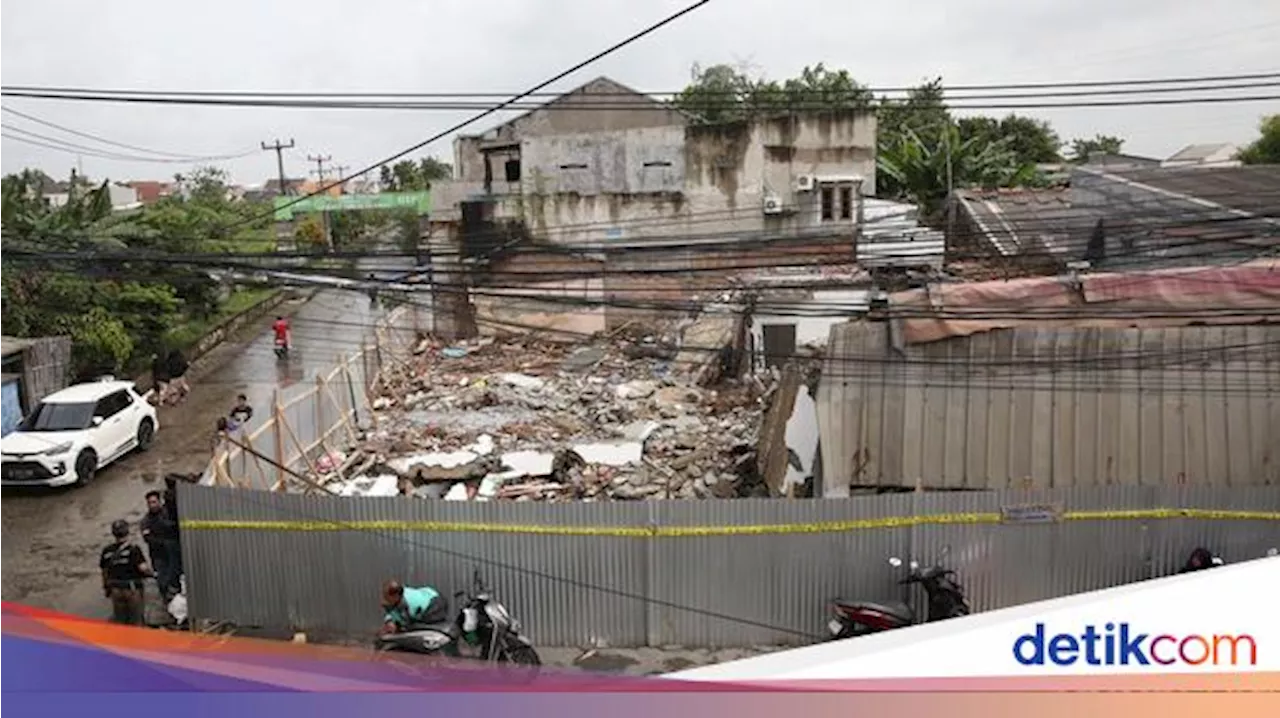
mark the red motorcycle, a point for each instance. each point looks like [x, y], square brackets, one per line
[858, 618]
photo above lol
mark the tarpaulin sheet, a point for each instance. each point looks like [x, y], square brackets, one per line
[1240, 294]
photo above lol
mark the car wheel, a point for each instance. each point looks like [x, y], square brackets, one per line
[146, 434]
[86, 467]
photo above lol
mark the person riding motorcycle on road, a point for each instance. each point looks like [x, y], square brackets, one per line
[281, 328]
[407, 609]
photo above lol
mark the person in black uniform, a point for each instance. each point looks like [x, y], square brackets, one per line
[160, 533]
[123, 568]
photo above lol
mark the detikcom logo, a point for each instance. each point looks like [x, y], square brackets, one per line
[1117, 644]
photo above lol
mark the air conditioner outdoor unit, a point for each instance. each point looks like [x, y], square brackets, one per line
[805, 183]
[772, 205]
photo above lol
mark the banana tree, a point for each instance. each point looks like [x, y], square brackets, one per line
[923, 166]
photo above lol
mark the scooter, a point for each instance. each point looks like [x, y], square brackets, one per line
[282, 349]
[483, 623]
[858, 618]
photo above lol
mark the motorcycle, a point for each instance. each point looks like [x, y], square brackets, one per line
[282, 349]
[858, 618]
[1201, 559]
[482, 623]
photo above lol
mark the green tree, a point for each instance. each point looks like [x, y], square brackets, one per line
[413, 176]
[1266, 149]
[1082, 149]
[309, 234]
[922, 149]
[1032, 141]
[721, 93]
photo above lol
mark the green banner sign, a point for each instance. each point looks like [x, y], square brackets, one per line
[420, 201]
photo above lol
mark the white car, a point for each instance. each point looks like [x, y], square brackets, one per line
[74, 432]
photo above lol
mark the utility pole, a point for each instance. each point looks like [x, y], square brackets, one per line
[324, 215]
[280, 148]
[319, 165]
[341, 171]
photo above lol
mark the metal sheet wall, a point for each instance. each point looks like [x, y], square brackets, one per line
[1041, 408]
[715, 573]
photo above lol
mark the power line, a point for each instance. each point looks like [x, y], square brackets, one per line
[398, 94]
[72, 149]
[103, 140]
[496, 108]
[782, 106]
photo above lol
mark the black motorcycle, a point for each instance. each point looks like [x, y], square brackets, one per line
[483, 624]
[858, 618]
[282, 349]
[1201, 559]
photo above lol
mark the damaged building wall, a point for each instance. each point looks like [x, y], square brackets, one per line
[694, 181]
[1051, 408]
[573, 306]
[580, 110]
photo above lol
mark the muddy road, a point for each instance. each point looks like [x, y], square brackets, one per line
[52, 537]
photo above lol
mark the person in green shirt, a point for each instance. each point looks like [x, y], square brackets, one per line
[408, 609]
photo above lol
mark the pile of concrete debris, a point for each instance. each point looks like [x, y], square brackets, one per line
[526, 419]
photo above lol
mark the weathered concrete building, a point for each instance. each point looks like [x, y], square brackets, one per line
[494, 157]
[791, 174]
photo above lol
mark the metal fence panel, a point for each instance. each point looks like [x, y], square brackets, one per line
[717, 573]
[1057, 407]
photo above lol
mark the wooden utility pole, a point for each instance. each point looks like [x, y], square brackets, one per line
[279, 147]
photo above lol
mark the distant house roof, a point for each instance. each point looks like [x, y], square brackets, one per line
[1199, 153]
[1117, 159]
[150, 190]
[1253, 188]
[273, 185]
[1182, 216]
[1025, 221]
[1142, 218]
[602, 85]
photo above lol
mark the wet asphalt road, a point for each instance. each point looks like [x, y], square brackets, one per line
[51, 538]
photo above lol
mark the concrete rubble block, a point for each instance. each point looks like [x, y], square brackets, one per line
[524, 419]
[638, 389]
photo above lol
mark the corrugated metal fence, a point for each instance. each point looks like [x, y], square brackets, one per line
[1056, 407]
[311, 419]
[717, 573]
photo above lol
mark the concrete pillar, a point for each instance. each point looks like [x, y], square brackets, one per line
[452, 316]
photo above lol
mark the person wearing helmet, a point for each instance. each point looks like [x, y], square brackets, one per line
[123, 569]
[1200, 559]
[406, 609]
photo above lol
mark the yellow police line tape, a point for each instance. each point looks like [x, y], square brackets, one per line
[694, 531]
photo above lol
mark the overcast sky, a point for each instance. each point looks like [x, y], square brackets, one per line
[509, 45]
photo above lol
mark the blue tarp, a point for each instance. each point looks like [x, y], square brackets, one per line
[10, 407]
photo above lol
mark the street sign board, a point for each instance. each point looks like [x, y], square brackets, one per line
[420, 201]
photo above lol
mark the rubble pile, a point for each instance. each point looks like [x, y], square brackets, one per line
[525, 419]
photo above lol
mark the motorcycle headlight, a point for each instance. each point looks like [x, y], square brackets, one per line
[56, 450]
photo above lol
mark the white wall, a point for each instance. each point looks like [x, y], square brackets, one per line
[830, 307]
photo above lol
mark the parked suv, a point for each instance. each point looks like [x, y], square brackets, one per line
[74, 432]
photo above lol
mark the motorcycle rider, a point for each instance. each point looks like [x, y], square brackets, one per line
[281, 328]
[1199, 560]
[123, 567]
[407, 609]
